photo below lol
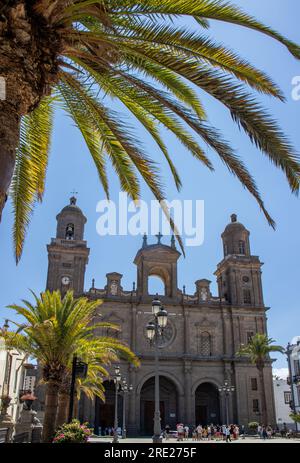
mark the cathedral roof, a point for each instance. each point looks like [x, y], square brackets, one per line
[234, 225]
[72, 207]
[151, 249]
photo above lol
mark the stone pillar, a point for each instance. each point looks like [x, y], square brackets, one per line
[29, 423]
[6, 421]
[188, 416]
[186, 346]
[133, 422]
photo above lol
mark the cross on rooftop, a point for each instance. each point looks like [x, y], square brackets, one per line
[159, 237]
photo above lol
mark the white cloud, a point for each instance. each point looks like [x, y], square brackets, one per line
[282, 373]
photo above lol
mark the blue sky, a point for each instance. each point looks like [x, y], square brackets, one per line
[71, 168]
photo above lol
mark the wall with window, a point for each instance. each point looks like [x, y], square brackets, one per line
[282, 396]
[11, 377]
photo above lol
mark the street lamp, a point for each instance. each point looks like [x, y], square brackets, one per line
[154, 330]
[117, 380]
[227, 390]
[125, 389]
[79, 370]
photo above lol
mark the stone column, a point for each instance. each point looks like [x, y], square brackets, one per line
[133, 422]
[6, 421]
[188, 416]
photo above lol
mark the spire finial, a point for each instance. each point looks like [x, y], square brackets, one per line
[159, 237]
[73, 198]
[233, 218]
[145, 240]
[173, 245]
[93, 283]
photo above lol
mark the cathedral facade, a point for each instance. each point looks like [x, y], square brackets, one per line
[203, 334]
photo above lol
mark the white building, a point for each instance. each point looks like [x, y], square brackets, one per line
[282, 397]
[11, 377]
[294, 371]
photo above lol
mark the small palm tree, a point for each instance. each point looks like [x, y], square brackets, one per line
[56, 328]
[258, 349]
[72, 53]
[97, 353]
[91, 386]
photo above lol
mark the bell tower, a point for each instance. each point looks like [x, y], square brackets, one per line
[239, 273]
[68, 252]
[157, 260]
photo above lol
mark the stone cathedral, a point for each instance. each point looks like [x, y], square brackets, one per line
[202, 336]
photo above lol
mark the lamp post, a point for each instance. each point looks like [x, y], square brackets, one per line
[155, 330]
[125, 389]
[79, 370]
[117, 380]
[227, 390]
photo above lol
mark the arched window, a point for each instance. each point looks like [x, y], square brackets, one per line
[247, 296]
[205, 347]
[225, 249]
[242, 247]
[156, 285]
[70, 231]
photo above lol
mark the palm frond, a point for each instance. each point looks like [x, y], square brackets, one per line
[28, 181]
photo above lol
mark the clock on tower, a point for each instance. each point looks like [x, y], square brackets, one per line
[68, 252]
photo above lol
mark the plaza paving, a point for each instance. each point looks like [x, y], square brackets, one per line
[147, 440]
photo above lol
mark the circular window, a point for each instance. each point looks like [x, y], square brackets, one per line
[167, 336]
[246, 279]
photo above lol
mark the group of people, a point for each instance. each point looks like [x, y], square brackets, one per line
[266, 432]
[206, 433]
[218, 432]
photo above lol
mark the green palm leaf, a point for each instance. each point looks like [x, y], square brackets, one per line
[141, 54]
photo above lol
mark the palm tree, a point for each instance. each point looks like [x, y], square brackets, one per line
[258, 349]
[55, 329]
[97, 353]
[72, 53]
[91, 386]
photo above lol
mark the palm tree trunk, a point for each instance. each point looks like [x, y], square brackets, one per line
[9, 140]
[63, 408]
[263, 395]
[51, 402]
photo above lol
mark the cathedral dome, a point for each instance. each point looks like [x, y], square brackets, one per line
[236, 238]
[70, 222]
[234, 226]
[72, 207]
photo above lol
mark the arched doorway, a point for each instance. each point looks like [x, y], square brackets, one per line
[207, 404]
[168, 404]
[105, 411]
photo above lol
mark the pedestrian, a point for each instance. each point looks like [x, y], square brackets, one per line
[186, 432]
[199, 432]
[194, 434]
[224, 431]
[167, 431]
[242, 431]
[180, 432]
[209, 432]
[227, 433]
[218, 432]
[259, 431]
[264, 433]
[269, 431]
